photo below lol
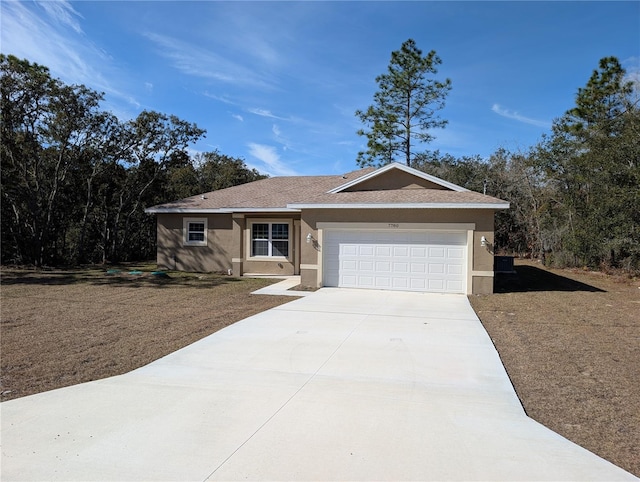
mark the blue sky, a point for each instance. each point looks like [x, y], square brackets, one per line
[277, 83]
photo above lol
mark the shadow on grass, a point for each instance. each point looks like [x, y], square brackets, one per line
[530, 278]
[102, 278]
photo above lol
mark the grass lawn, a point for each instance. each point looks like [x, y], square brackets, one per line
[59, 328]
[570, 340]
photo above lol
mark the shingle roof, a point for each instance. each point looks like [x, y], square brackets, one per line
[402, 196]
[294, 192]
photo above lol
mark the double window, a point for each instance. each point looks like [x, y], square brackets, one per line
[270, 239]
[195, 231]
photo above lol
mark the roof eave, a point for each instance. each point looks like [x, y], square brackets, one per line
[263, 210]
[172, 210]
[401, 206]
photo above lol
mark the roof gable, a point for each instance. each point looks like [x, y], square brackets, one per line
[396, 176]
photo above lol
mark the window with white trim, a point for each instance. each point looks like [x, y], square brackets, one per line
[270, 239]
[195, 231]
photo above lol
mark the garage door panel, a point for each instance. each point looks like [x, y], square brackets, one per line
[366, 282]
[366, 250]
[435, 284]
[418, 284]
[348, 280]
[400, 251]
[411, 260]
[400, 283]
[455, 286]
[383, 267]
[366, 266]
[350, 264]
[383, 282]
[401, 268]
[349, 249]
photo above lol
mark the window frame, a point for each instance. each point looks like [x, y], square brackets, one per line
[270, 239]
[186, 230]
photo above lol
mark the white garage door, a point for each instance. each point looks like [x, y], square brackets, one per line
[432, 261]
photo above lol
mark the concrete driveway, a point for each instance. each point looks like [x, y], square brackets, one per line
[340, 385]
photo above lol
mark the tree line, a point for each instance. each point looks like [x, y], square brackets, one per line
[575, 196]
[76, 179]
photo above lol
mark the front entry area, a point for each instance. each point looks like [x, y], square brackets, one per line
[430, 261]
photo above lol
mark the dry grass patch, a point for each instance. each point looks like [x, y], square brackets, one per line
[60, 328]
[570, 341]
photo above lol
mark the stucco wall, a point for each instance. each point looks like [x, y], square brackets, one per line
[215, 256]
[227, 245]
[395, 179]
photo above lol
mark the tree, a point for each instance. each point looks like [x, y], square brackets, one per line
[47, 127]
[151, 142]
[76, 180]
[218, 171]
[404, 108]
[505, 175]
[592, 160]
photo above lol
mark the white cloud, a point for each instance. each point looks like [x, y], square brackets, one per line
[280, 138]
[264, 113]
[268, 155]
[224, 100]
[53, 37]
[62, 12]
[205, 63]
[238, 117]
[271, 115]
[498, 109]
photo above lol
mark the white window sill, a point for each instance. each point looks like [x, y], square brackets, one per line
[267, 258]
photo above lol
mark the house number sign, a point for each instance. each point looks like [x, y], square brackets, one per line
[394, 225]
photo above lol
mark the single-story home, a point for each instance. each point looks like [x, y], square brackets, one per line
[392, 228]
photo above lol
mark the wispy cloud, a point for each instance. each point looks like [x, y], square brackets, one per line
[269, 156]
[238, 117]
[280, 138]
[205, 63]
[501, 111]
[219, 98]
[49, 33]
[62, 12]
[269, 114]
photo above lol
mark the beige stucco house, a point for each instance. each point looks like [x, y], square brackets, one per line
[392, 228]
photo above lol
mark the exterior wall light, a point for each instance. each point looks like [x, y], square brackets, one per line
[309, 238]
[483, 241]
